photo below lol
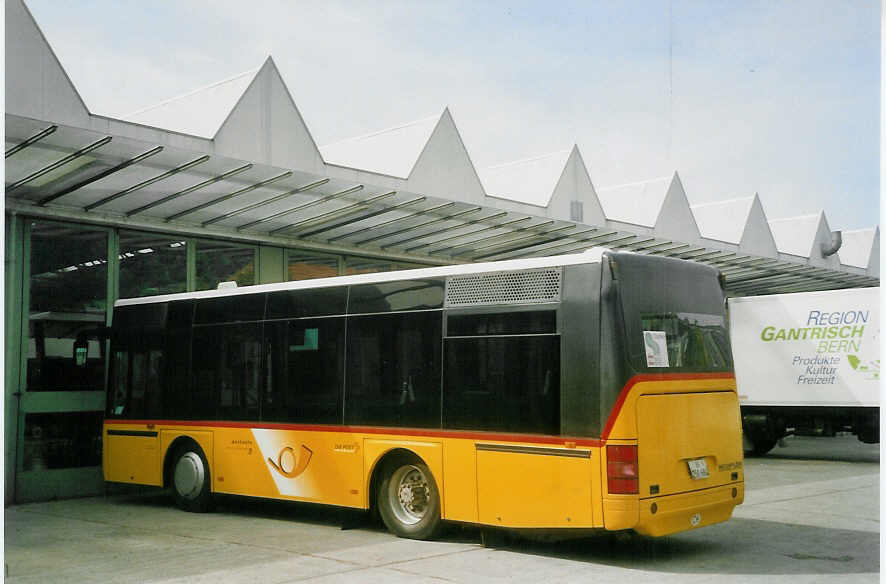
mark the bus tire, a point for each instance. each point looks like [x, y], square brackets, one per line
[408, 499]
[190, 479]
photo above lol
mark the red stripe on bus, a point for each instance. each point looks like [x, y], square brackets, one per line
[426, 433]
[643, 377]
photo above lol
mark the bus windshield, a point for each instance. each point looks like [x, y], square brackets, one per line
[674, 316]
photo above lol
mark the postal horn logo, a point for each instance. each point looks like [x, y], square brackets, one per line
[288, 464]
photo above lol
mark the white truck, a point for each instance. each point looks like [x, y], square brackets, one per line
[807, 363]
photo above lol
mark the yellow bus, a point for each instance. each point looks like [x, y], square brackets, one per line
[584, 391]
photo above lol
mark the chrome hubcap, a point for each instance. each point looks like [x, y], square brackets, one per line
[189, 475]
[409, 494]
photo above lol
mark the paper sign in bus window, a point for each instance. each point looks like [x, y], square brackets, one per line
[656, 344]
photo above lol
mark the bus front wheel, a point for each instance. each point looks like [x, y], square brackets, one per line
[408, 499]
[191, 479]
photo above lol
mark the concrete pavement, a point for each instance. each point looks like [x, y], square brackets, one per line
[811, 515]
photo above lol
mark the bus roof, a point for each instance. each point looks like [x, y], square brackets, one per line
[592, 255]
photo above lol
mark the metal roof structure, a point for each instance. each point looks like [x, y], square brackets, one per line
[393, 151]
[200, 112]
[251, 171]
[861, 248]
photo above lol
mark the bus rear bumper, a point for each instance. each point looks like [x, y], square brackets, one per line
[675, 513]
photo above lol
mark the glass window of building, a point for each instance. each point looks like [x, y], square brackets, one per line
[306, 265]
[223, 261]
[62, 440]
[151, 264]
[67, 308]
[367, 266]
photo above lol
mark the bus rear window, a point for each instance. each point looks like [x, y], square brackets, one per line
[685, 339]
[674, 315]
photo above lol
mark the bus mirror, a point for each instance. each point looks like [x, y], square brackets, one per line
[81, 350]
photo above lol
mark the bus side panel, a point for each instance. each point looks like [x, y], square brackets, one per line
[538, 487]
[240, 467]
[460, 470]
[598, 472]
[316, 466]
[430, 452]
[132, 459]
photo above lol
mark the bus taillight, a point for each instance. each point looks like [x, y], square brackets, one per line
[622, 470]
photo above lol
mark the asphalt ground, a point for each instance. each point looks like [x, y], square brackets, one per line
[811, 514]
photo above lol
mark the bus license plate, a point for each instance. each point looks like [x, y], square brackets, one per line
[698, 468]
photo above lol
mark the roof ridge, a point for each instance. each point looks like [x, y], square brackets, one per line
[190, 93]
[531, 159]
[795, 217]
[379, 132]
[723, 202]
[639, 182]
[860, 229]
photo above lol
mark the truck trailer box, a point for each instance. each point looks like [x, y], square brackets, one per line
[807, 363]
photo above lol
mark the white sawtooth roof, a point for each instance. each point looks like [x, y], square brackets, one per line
[795, 235]
[200, 112]
[638, 203]
[723, 220]
[393, 151]
[857, 247]
[531, 180]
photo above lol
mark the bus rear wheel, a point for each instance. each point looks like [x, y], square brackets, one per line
[190, 479]
[408, 499]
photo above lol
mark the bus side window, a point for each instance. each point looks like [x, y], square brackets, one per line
[120, 384]
[502, 372]
[305, 371]
[227, 371]
[137, 387]
[137, 379]
[394, 369]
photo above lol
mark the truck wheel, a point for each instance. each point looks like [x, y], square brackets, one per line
[190, 479]
[408, 499]
[762, 445]
[869, 435]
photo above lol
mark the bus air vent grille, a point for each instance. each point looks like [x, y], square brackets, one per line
[523, 287]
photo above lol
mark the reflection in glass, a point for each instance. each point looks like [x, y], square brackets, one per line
[393, 370]
[62, 440]
[220, 261]
[151, 264]
[303, 265]
[693, 339]
[509, 384]
[69, 269]
[67, 310]
[302, 303]
[366, 266]
[65, 355]
[403, 295]
[226, 372]
[305, 371]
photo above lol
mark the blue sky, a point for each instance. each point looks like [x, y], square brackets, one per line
[777, 97]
